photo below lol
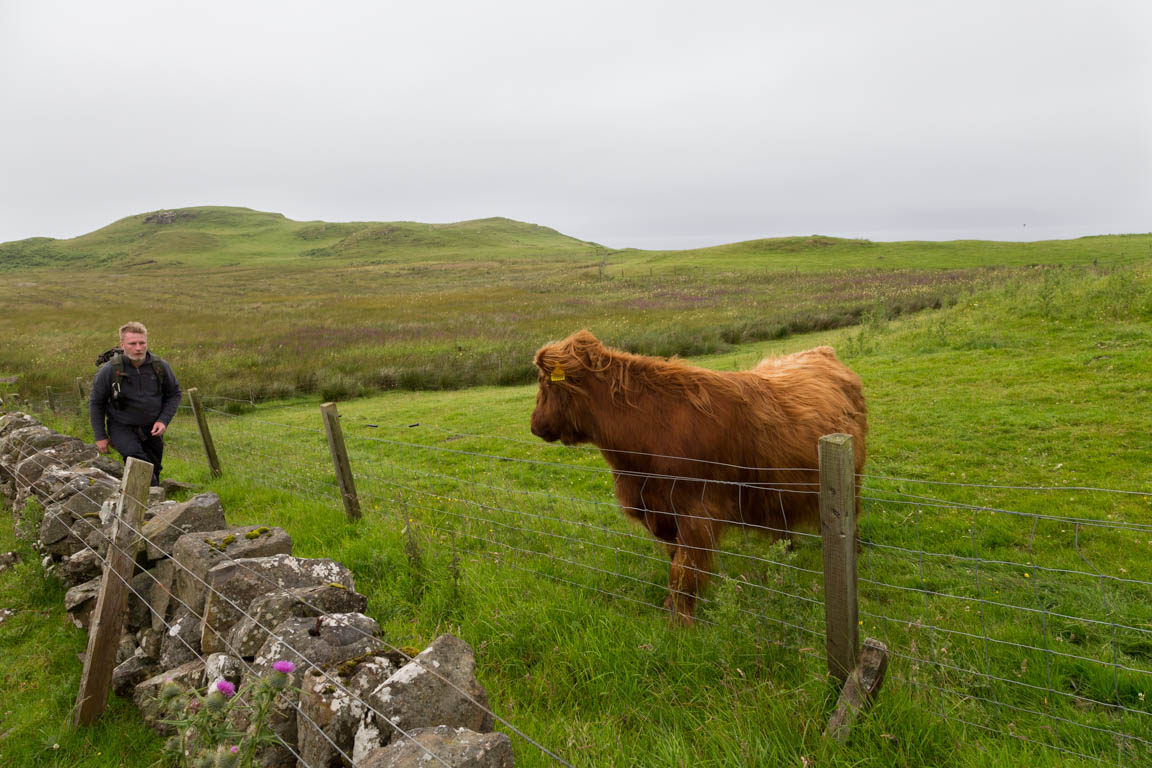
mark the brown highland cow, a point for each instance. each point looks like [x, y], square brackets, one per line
[694, 450]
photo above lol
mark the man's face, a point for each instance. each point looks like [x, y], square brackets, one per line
[135, 346]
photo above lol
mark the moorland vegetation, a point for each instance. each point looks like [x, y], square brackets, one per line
[256, 306]
[1027, 367]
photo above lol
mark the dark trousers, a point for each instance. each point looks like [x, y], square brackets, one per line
[137, 443]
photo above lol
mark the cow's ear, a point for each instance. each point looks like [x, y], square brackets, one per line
[581, 346]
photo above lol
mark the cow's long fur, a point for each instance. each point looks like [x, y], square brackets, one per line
[693, 450]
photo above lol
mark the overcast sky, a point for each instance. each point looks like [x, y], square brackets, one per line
[646, 124]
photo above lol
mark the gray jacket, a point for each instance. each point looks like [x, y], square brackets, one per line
[143, 399]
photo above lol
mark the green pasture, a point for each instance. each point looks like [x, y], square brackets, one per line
[255, 306]
[1017, 639]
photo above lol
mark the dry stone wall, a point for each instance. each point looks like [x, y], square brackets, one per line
[210, 602]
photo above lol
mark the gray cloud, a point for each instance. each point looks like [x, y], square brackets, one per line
[649, 124]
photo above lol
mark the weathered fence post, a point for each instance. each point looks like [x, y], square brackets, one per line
[112, 601]
[82, 392]
[51, 398]
[838, 528]
[340, 460]
[205, 433]
[859, 691]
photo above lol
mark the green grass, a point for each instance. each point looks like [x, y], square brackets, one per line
[40, 677]
[1024, 376]
[1035, 382]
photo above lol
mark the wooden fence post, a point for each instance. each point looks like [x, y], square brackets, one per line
[82, 392]
[205, 433]
[112, 601]
[860, 691]
[51, 398]
[838, 528]
[340, 460]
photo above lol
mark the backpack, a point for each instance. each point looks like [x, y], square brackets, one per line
[116, 357]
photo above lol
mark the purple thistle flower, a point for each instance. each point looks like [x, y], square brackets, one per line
[286, 667]
[226, 688]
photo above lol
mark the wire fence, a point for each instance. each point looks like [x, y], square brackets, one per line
[1016, 610]
[105, 544]
[1019, 611]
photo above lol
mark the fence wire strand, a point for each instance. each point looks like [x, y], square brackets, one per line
[559, 520]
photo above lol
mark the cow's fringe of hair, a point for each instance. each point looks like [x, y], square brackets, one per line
[626, 373]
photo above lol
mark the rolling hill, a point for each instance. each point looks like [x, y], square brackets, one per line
[215, 236]
[212, 236]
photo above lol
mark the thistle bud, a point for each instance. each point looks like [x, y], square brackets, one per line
[215, 701]
[228, 758]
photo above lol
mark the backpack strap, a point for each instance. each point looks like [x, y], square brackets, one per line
[120, 371]
[161, 376]
[117, 362]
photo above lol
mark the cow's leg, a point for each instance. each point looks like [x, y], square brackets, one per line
[692, 558]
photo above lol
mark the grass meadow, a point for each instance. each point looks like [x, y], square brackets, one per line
[1003, 383]
[258, 307]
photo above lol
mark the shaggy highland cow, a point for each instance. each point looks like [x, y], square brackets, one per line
[694, 450]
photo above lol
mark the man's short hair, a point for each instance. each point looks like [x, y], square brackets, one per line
[132, 327]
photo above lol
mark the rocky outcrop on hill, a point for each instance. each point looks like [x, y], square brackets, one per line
[209, 602]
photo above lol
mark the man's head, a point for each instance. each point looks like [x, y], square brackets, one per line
[134, 342]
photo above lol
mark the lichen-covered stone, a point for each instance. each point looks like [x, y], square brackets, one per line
[221, 666]
[80, 567]
[30, 469]
[130, 673]
[270, 610]
[455, 747]
[438, 687]
[200, 513]
[197, 553]
[81, 600]
[235, 584]
[339, 638]
[25, 441]
[330, 714]
[9, 422]
[90, 498]
[180, 643]
[59, 485]
[105, 464]
[56, 532]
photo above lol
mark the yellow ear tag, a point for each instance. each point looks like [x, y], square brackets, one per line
[557, 374]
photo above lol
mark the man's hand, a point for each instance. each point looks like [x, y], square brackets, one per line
[158, 428]
[102, 445]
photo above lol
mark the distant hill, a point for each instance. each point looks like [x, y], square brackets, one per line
[211, 237]
[217, 236]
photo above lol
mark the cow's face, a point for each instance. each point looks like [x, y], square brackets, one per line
[559, 412]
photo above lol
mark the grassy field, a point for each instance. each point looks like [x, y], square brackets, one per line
[251, 305]
[41, 675]
[1017, 638]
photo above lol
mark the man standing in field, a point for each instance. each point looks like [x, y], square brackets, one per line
[134, 397]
